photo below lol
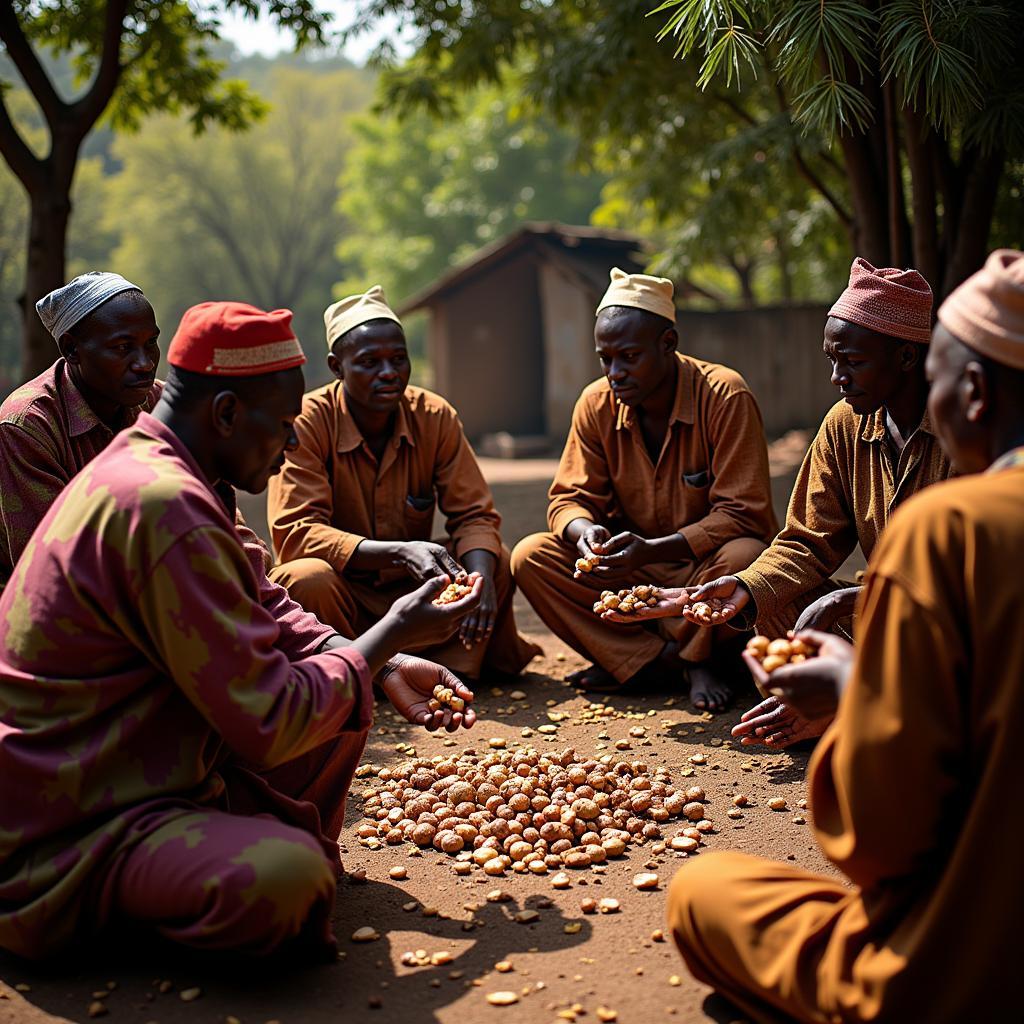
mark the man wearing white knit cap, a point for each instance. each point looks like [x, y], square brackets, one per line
[107, 337]
[664, 478]
[352, 511]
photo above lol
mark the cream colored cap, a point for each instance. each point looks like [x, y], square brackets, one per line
[641, 291]
[987, 311]
[353, 310]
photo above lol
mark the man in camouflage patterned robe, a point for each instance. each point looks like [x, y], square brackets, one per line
[172, 751]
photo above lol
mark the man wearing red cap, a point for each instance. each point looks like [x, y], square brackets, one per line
[172, 750]
[874, 449]
[909, 786]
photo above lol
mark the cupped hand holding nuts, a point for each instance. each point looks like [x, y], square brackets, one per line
[806, 672]
[644, 601]
[716, 602]
[427, 694]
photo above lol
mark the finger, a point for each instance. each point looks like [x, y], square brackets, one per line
[815, 637]
[467, 627]
[454, 722]
[468, 718]
[768, 704]
[620, 540]
[484, 625]
[461, 689]
[756, 670]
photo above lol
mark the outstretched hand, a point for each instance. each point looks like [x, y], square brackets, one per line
[409, 682]
[671, 602]
[734, 597]
[777, 725]
[422, 623]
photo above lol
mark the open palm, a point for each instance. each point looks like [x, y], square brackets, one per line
[409, 685]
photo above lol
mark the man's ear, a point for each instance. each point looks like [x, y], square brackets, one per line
[910, 355]
[670, 339]
[334, 365]
[224, 412]
[67, 346]
[976, 392]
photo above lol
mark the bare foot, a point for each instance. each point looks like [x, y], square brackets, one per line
[777, 725]
[594, 679]
[707, 691]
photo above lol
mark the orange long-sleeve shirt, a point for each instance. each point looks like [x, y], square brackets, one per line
[332, 493]
[847, 489]
[710, 482]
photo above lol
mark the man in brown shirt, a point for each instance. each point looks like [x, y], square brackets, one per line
[908, 787]
[51, 427]
[664, 478]
[875, 448]
[352, 510]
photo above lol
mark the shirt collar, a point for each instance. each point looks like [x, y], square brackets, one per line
[349, 435]
[1014, 457]
[875, 428]
[682, 406]
[81, 418]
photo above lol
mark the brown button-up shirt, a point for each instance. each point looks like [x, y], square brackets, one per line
[333, 493]
[710, 483]
[48, 433]
[849, 485]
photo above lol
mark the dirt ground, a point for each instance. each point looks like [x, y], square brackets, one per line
[559, 973]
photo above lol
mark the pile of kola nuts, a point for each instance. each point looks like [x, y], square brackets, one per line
[527, 811]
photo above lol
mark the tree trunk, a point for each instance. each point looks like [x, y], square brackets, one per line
[981, 184]
[50, 210]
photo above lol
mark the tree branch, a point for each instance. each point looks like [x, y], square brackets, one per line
[88, 109]
[807, 174]
[927, 257]
[25, 164]
[25, 60]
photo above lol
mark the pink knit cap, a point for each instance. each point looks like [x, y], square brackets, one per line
[888, 300]
[987, 311]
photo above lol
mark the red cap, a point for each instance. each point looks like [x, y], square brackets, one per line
[888, 300]
[234, 339]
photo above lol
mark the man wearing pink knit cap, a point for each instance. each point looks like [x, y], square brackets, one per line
[875, 448]
[908, 787]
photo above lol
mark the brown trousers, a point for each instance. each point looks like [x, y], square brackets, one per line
[351, 603]
[543, 564]
[780, 942]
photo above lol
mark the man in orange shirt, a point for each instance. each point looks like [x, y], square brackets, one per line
[908, 787]
[352, 510]
[664, 480]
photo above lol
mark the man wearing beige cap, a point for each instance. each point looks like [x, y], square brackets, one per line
[352, 510]
[664, 480]
[908, 787]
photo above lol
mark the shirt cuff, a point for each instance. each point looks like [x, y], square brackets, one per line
[565, 515]
[761, 593]
[362, 714]
[478, 538]
[343, 548]
[700, 542]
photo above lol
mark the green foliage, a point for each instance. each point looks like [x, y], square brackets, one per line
[420, 194]
[249, 217]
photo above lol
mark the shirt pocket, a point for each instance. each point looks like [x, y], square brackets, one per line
[419, 516]
[696, 494]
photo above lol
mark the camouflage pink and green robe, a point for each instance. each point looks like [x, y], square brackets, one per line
[149, 675]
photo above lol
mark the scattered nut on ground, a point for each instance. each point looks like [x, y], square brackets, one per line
[646, 880]
[502, 998]
[365, 934]
[777, 803]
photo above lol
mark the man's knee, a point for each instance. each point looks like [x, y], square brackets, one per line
[701, 892]
[738, 554]
[287, 874]
[536, 552]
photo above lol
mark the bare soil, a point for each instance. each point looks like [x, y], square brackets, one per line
[611, 961]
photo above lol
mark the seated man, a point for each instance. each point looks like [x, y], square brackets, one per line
[351, 512]
[52, 426]
[874, 449]
[664, 479]
[171, 752]
[909, 785]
